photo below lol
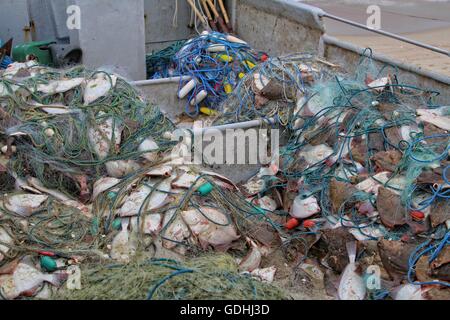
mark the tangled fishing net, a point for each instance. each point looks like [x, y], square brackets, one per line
[365, 158]
[212, 277]
[58, 133]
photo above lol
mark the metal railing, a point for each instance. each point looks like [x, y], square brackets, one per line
[385, 33]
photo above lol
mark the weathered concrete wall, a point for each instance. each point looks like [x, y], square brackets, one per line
[278, 26]
[348, 55]
[160, 27]
[13, 18]
[286, 26]
[113, 34]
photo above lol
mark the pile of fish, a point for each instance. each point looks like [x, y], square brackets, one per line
[364, 175]
[353, 205]
[90, 173]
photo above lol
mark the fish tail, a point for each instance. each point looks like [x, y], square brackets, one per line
[57, 279]
[351, 249]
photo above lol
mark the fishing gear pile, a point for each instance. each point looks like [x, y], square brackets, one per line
[91, 175]
[160, 64]
[366, 162]
[214, 63]
[100, 200]
[212, 277]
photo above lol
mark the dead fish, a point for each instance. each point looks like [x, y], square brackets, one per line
[299, 108]
[387, 160]
[314, 106]
[15, 67]
[265, 274]
[211, 226]
[7, 239]
[74, 278]
[185, 180]
[260, 81]
[407, 292]
[271, 170]
[24, 204]
[22, 185]
[437, 117]
[407, 131]
[4, 91]
[335, 243]
[133, 203]
[315, 154]
[54, 108]
[162, 171]
[304, 208]
[45, 293]
[221, 178]
[390, 208]
[351, 286]
[121, 248]
[101, 134]
[440, 212]
[103, 184]
[98, 87]
[60, 86]
[365, 207]
[380, 84]
[267, 203]
[150, 149]
[176, 231]
[442, 273]
[254, 186]
[364, 232]
[371, 185]
[314, 274]
[121, 168]
[442, 259]
[26, 280]
[340, 193]
[252, 260]
[395, 257]
[152, 223]
[60, 196]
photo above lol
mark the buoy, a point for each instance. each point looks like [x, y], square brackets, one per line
[417, 215]
[49, 132]
[264, 57]
[199, 98]
[228, 88]
[112, 195]
[187, 88]
[216, 48]
[250, 64]
[117, 224]
[48, 264]
[208, 111]
[205, 189]
[225, 58]
[235, 39]
[308, 224]
[292, 224]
